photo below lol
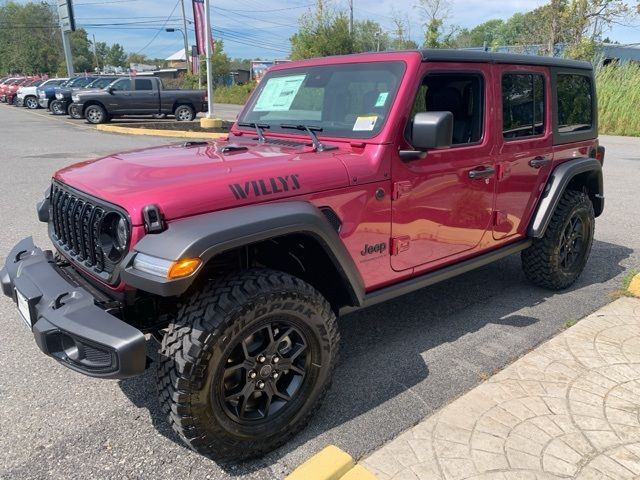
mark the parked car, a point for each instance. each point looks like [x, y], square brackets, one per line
[48, 93]
[12, 92]
[60, 106]
[8, 84]
[63, 101]
[98, 84]
[28, 96]
[139, 96]
[347, 181]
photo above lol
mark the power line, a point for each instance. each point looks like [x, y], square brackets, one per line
[160, 29]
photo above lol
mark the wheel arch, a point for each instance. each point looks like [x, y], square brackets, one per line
[582, 174]
[183, 101]
[294, 237]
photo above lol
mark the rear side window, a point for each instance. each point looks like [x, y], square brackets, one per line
[523, 105]
[144, 84]
[575, 103]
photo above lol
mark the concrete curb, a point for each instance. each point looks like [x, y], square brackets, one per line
[634, 286]
[331, 463]
[159, 133]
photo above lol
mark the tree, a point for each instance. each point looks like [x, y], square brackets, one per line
[434, 13]
[81, 51]
[221, 64]
[138, 58]
[116, 56]
[322, 33]
[401, 32]
[369, 37]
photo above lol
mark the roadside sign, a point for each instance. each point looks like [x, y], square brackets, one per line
[67, 19]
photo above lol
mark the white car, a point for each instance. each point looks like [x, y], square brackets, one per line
[28, 96]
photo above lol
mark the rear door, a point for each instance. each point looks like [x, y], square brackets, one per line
[525, 153]
[145, 97]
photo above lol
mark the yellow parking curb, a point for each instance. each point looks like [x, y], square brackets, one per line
[634, 286]
[159, 133]
[331, 463]
[359, 473]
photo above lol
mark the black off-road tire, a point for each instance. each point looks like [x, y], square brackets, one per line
[95, 114]
[57, 108]
[195, 353]
[543, 261]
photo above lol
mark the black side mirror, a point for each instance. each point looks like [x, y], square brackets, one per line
[109, 90]
[432, 130]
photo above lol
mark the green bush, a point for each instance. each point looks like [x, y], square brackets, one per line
[618, 99]
[237, 94]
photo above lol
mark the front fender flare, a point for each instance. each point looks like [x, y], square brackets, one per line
[558, 182]
[207, 235]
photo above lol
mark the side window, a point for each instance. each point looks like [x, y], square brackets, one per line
[575, 103]
[462, 94]
[523, 105]
[145, 84]
[123, 85]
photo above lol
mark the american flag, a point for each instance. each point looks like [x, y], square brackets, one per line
[198, 17]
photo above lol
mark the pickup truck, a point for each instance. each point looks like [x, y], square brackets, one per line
[139, 96]
[28, 96]
[60, 105]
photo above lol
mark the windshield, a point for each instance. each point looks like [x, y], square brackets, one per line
[348, 100]
[101, 82]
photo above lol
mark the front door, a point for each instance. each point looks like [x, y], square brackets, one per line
[524, 157]
[443, 204]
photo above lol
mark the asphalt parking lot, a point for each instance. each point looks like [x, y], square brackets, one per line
[400, 361]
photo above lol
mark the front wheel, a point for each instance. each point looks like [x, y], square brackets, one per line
[185, 113]
[95, 114]
[75, 112]
[245, 363]
[31, 103]
[57, 108]
[556, 260]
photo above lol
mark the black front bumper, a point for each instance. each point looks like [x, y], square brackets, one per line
[66, 322]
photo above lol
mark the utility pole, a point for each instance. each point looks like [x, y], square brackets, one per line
[350, 17]
[186, 41]
[67, 24]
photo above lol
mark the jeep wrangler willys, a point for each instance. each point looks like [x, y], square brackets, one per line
[347, 181]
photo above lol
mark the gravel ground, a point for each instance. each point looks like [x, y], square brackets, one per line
[400, 361]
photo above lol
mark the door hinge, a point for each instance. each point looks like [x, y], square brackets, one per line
[400, 189]
[400, 244]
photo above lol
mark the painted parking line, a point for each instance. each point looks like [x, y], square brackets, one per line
[51, 117]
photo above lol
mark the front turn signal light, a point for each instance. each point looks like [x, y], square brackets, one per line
[183, 268]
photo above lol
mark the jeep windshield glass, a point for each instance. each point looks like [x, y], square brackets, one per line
[347, 100]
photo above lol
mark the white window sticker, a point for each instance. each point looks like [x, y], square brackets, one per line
[278, 94]
[382, 99]
[365, 124]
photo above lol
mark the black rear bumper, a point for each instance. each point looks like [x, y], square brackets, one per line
[66, 322]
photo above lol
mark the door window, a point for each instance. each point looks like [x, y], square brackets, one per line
[123, 85]
[523, 105]
[144, 84]
[458, 93]
[575, 103]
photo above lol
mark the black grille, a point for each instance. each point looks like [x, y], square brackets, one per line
[76, 229]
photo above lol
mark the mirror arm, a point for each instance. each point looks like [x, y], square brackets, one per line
[412, 155]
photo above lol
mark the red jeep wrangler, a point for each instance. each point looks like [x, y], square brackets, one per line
[346, 182]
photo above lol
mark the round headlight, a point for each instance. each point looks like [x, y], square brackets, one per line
[114, 235]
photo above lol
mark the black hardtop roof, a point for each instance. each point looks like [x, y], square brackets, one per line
[449, 55]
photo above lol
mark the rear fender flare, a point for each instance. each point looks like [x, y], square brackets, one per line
[207, 235]
[558, 182]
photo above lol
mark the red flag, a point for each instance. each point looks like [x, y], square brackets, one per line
[198, 18]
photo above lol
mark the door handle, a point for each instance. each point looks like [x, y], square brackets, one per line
[539, 162]
[480, 173]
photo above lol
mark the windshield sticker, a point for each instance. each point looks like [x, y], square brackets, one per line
[382, 99]
[278, 94]
[365, 124]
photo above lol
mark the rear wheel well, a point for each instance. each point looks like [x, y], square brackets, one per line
[180, 103]
[589, 183]
[296, 254]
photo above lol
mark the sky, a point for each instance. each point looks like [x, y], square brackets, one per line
[261, 28]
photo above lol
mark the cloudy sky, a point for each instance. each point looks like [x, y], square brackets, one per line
[261, 28]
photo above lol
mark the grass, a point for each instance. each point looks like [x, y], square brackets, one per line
[626, 281]
[236, 94]
[568, 324]
[618, 89]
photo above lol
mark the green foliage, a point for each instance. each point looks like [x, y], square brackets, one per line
[236, 94]
[618, 97]
[322, 33]
[81, 51]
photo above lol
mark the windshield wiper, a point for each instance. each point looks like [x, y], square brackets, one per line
[259, 128]
[311, 130]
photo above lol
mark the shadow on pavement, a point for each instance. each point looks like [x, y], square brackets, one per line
[390, 348]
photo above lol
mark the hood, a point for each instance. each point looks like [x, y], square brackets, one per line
[188, 180]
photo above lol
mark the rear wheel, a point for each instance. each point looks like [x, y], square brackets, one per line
[95, 114]
[246, 362]
[556, 260]
[185, 113]
[31, 103]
